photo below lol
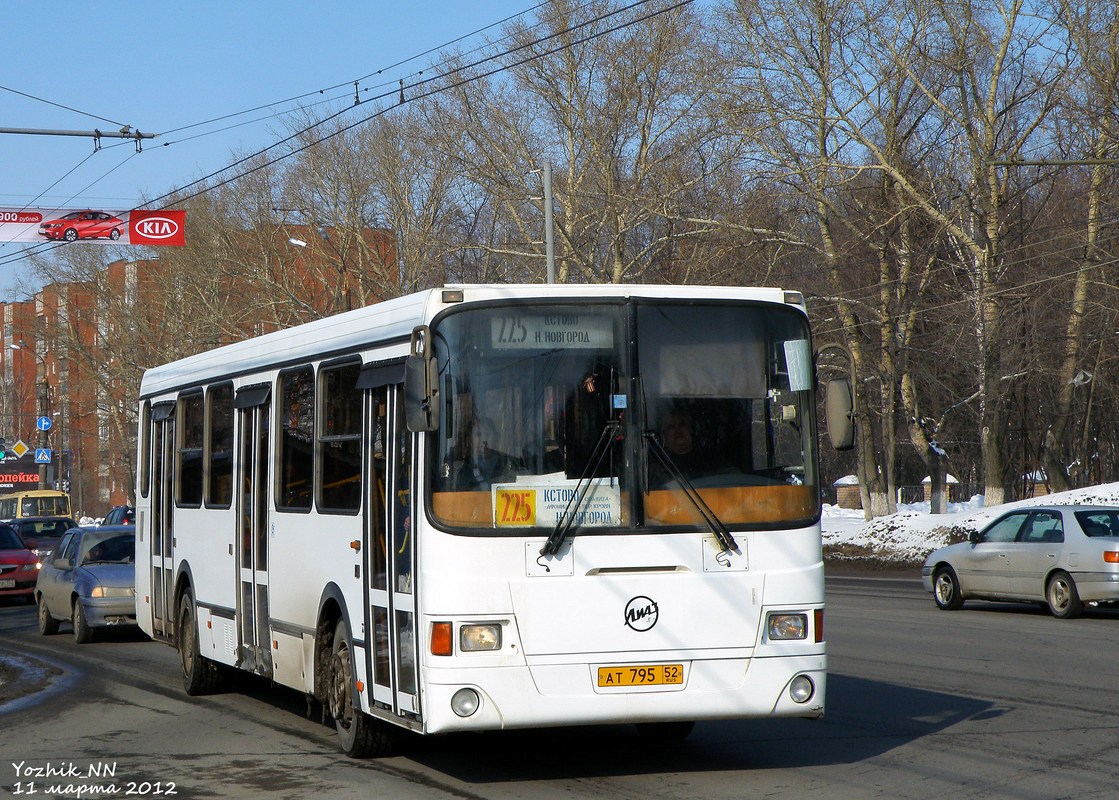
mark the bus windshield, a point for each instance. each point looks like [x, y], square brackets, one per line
[614, 415]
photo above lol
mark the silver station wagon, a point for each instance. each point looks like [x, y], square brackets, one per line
[1064, 557]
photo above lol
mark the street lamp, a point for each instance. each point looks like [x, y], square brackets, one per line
[44, 405]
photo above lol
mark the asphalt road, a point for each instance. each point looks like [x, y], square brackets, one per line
[996, 701]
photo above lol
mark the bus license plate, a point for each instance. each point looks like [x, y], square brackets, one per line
[641, 675]
[7, 583]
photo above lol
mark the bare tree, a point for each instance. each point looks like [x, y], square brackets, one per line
[619, 109]
[1093, 36]
[979, 84]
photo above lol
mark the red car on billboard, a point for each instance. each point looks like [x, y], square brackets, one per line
[83, 225]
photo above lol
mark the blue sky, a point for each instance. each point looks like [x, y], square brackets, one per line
[161, 67]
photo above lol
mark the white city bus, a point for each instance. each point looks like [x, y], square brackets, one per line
[495, 507]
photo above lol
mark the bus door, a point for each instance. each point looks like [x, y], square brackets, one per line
[389, 545]
[251, 476]
[162, 520]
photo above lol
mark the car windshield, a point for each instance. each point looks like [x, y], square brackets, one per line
[47, 527]
[108, 547]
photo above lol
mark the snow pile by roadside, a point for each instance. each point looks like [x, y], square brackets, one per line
[913, 532]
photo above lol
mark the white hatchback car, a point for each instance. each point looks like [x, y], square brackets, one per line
[1061, 556]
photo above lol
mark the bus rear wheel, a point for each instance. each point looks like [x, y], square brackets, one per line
[360, 735]
[200, 674]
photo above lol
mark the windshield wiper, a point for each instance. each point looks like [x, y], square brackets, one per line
[722, 534]
[565, 521]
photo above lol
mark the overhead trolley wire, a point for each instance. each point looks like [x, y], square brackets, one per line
[346, 84]
[417, 84]
[59, 105]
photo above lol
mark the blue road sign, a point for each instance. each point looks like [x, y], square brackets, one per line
[43, 423]
[42, 455]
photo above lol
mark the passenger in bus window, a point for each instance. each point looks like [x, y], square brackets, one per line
[485, 464]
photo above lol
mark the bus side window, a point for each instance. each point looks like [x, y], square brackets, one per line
[192, 428]
[297, 429]
[219, 445]
[339, 452]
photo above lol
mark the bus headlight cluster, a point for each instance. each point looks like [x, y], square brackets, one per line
[472, 638]
[783, 627]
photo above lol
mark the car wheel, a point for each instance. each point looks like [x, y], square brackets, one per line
[1064, 600]
[82, 632]
[71, 235]
[48, 625]
[200, 674]
[114, 234]
[360, 735]
[946, 590]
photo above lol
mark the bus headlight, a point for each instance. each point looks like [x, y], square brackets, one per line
[472, 638]
[801, 689]
[782, 627]
[465, 702]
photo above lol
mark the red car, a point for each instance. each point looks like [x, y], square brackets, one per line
[83, 225]
[19, 567]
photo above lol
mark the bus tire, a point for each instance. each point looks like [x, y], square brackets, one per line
[359, 735]
[200, 675]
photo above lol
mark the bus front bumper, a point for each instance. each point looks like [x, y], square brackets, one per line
[552, 695]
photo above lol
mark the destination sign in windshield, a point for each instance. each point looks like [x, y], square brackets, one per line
[545, 331]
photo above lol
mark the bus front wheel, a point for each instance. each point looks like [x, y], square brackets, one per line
[360, 735]
[200, 674]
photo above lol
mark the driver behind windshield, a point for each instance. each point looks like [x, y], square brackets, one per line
[677, 431]
[692, 456]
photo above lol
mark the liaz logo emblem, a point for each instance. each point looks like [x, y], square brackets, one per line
[641, 613]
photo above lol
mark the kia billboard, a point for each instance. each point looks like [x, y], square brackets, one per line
[158, 228]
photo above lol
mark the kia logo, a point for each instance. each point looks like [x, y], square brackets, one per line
[157, 228]
[641, 613]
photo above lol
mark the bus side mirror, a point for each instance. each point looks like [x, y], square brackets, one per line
[840, 403]
[421, 384]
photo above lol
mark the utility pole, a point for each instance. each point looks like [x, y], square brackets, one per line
[549, 236]
[43, 397]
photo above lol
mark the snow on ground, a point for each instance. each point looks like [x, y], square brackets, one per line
[913, 532]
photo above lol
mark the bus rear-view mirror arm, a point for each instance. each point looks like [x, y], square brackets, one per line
[421, 383]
